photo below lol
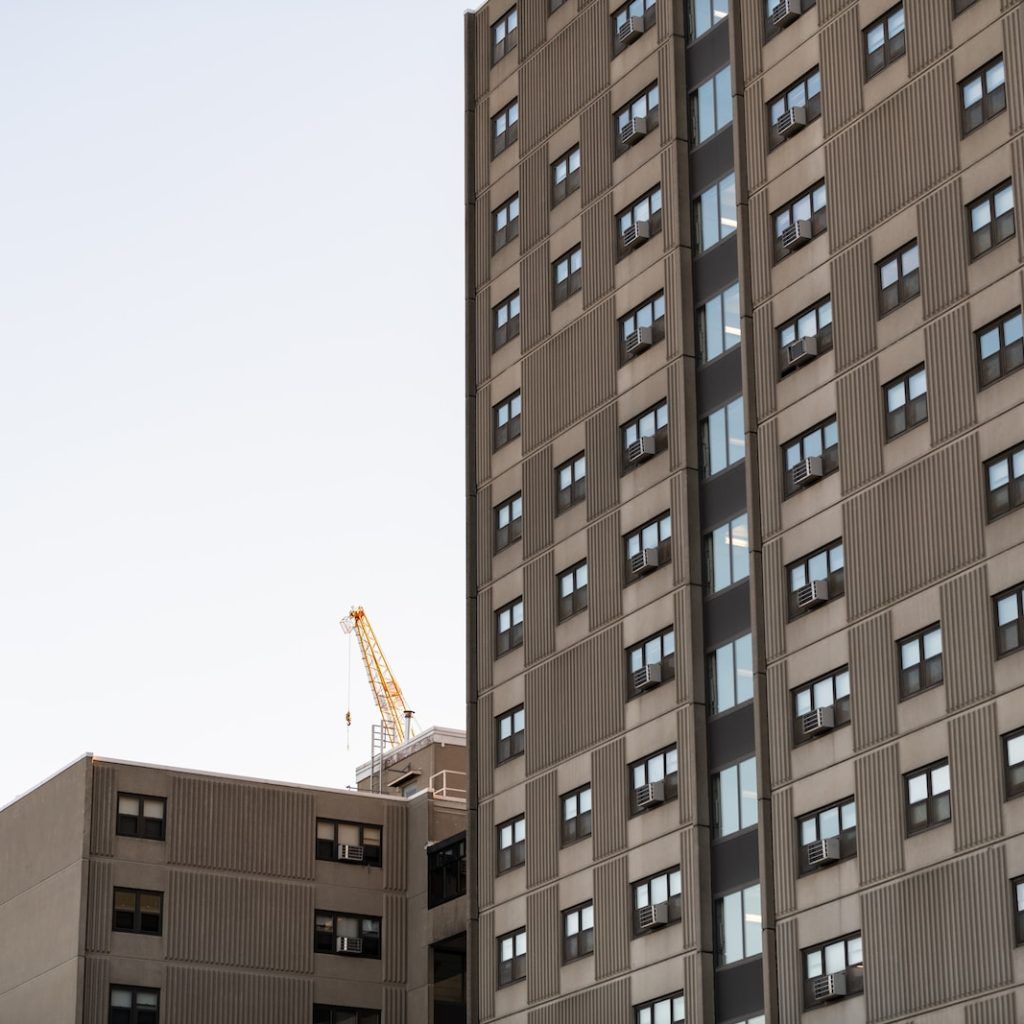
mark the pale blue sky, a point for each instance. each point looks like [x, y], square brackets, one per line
[231, 314]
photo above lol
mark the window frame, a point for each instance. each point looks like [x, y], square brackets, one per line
[503, 333]
[506, 536]
[1016, 346]
[501, 140]
[907, 284]
[692, 35]
[671, 876]
[721, 929]
[517, 962]
[841, 705]
[628, 217]
[744, 823]
[929, 669]
[577, 489]
[847, 836]
[372, 941]
[576, 601]
[737, 670]
[374, 859]
[516, 747]
[667, 755]
[515, 637]
[893, 45]
[581, 933]
[635, 319]
[327, 1013]
[649, 16]
[582, 820]
[505, 433]
[722, 419]
[737, 534]
[714, 81]
[988, 199]
[988, 107]
[510, 35]
[630, 111]
[664, 546]
[817, 218]
[854, 972]
[1015, 592]
[634, 425]
[836, 578]
[933, 801]
[811, 105]
[137, 913]
[135, 1011]
[505, 234]
[667, 661]
[562, 188]
[446, 860]
[829, 454]
[728, 302]
[515, 849]
[770, 28]
[643, 1013]
[1017, 891]
[913, 410]
[716, 189]
[121, 828]
[1014, 486]
[564, 289]
[823, 332]
[1013, 774]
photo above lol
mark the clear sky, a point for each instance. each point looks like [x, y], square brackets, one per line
[231, 316]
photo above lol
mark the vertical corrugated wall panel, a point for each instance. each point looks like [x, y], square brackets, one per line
[757, 143]
[484, 215]
[879, 815]
[671, 228]
[841, 72]
[968, 653]
[539, 610]
[853, 305]
[677, 413]
[193, 996]
[598, 240]
[482, 152]
[534, 193]
[689, 872]
[485, 744]
[485, 444]
[681, 617]
[395, 938]
[790, 970]
[596, 148]
[943, 246]
[667, 84]
[929, 35]
[485, 641]
[611, 811]
[780, 722]
[482, 53]
[543, 949]
[100, 907]
[604, 584]
[828, 9]
[535, 308]
[538, 501]
[678, 305]
[102, 810]
[1000, 1010]
[751, 22]
[858, 397]
[679, 507]
[612, 929]
[694, 986]
[484, 534]
[484, 313]
[396, 845]
[394, 1005]
[487, 977]
[774, 600]
[975, 766]
[687, 747]
[602, 1004]
[1017, 158]
[784, 846]
[770, 472]
[543, 823]
[96, 997]
[1013, 52]
[873, 684]
[602, 446]
[486, 853]
[760, 251]
[949, 356]
[533, 26]
[766, 359]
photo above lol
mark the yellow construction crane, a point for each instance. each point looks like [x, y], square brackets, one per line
[396, 717]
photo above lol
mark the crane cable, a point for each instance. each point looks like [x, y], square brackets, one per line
[348, 712]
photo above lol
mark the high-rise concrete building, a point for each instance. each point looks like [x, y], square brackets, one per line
[746, 500]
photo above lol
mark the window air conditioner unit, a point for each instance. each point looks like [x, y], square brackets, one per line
[815, 593]
[351, 853]
[644, 561]
[791, 121]
[796, 235]
[785, 12]
[807, 471]
[633, 131]
[639, 340]
[647, 677]
[815, 722]
[828, 987]
[636, 234]
[347, 944]
[655, 915]
[801, 351]
[631, 30]
[823, 851]
[650, 795]
[641, 449]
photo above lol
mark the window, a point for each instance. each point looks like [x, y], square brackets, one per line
[512, 957]
[553, 5]
[734, 795]
[821, 444]
[576, 815]
[731, 674]
[323, 1014]
[509, 622]
[568, 274]
[508, 522]
[347, 935]
[446, 870]
[718, 324]
[906, 402]
[800, 220]
[506, 321]
[639, 222]
[504, 35]
[668, 1009]
[507, 424]
[714, 213]
[506, 222]
[711, 106]
[650, 545]
[704, 16]
[885, 41]
[1000, 347]
[782, 12]
[839, 957]
[511, 730]
[565, 175]
[831, 691]
[816, 579]
[504, 128]
[959, 6]
[899, 278]
[928, 801]
[983, 95]
[1004, 482]
[634, 17]
[657, 890]
[652, 424]
[727, 554]
[722, 440]
[738, 926]
[814, 323]
[838, 821]
[653, 780]
[134, 1005]
[1009, 620]
[572, 591]
[991, 219]
[1018, 908]
[136, 910]
[511, 844]
[802, 101]
[639, 117]
[348, 840]
[642, 327]
[1013, 746]
[571, 480]
[656, 654]
[578, 932]
[920, 661]
[141, 816]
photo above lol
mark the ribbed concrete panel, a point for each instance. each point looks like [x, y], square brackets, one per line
[564, 76]
[769, 467]
[485, 641]
[842, 73]
[828, 9]
[858, 395]
[685, 689]
[602, 441]
[611, 811]
[929, 36]
[751, 24]
[596, 148]
[780, 722]
[670, 227]
[760, 251]
[694, 986]
[756, 130]
[932, 510]
[667, 84]
[538, 501]
[612, 928]
[485, 739]
[486, 852]
[1017, 156]
[968, 653]
[853, 305]
[1000, 1010]
[949, 356]
[784, 846]
[575, 700]
[484, 534]
[487, 978]
[880, 817]
[103, 809]
[678, 306]
[395, 841]
[535, 308]
[679, 506]
[483, 310]
[774, 600]
[689, 872]
[533, 26]
[766, 359]
[677, 414]
[195, 996]
[917, 130]
[543, 837]
[1013, 53]
[670, 20]
[598, 239]
[482, 154]
[593, 1006]
[873, 688]
[534, 193]
[101, 907]
[481, 53]
[686, 746]
[543, 947]
[940, 220]
[975, 764]
[483, 213]
[394, 938]
[484, 440]
[236, 827]
[230, 921]
[790, 971]
[539, 601]
[604, 577]
[394, 1005]
[937, 936]
[96, 997]
[570, 376]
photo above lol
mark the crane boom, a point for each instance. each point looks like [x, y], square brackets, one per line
[390, 700]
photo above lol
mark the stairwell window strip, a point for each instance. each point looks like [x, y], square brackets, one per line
[734, 798]
[723, 440]
[738, 926]
[711, 106]
[731, 674]
[715, 213]
[727, 554]
[718, 324]
[704, 15]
